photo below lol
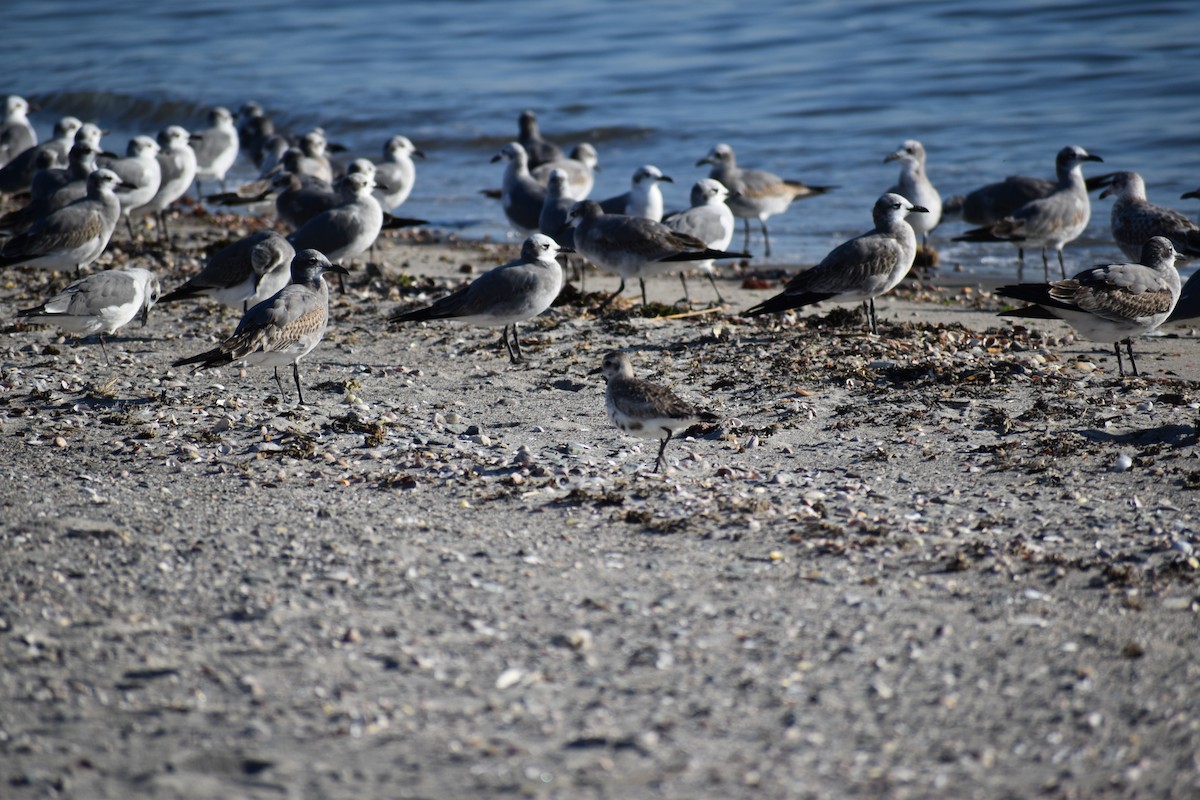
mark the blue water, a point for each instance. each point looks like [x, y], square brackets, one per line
[819, 91]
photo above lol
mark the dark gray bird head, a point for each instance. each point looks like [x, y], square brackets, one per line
[309, 265]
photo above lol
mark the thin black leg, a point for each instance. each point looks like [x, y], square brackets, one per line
[104, 349]
[1120, 366]
[687, 297]
[1132, 363]
[766, 238]
[713, 281]
[746, 243]
[1045, 266]
[279, 383]
[296, 377]
[1062, 269]
[611, 297]
[660, 461]
[642, 281]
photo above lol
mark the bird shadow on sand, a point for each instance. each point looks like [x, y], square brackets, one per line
[1173, 435]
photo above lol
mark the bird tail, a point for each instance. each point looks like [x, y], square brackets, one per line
[704, 255]
[391, 222]
[210, 358]
[800, 189]
[785, 302]
[182, 293]
[986, 235]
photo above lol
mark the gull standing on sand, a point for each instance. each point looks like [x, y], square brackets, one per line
[73, 236]
[16, 134]
[1051, 221]
[242, 274]
[511, 293]
[860, 269]
[254, 128]
[755, 193]
[633, 247]
[915, 185]
[644, 198]
[396, 173]
[216, 148]
[17, 174]
[538, 149]
[644, 409]
[140, 172]
[177, 166]
[347, 230]
[54, 187]
[581, 168]
[282, 329]
[520, 195]
[1135, 219]
[558, 204]
[1111, 303]
[710, 220]
[99, 304]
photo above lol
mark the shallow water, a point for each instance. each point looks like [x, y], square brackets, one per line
[819, 91]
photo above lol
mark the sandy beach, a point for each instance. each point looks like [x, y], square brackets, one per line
[952, 560]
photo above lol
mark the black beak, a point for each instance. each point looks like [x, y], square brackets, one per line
[667, 178]
[418, 154]
[338, 268]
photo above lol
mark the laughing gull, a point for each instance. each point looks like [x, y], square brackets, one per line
[511, 293]
[314, 159]
[710, 220]
[520, 195]
[581, 168]
[254, 128]
[242, 274]
[644, 198]
[755, 193]
[1134, 219]
[346, 230]
[73, 236]
[282, 329]
[915, 185]
[1111, 303]
[216, 148]
[643, 409]
[860, 269]
[99, 304]
[177, 166]
[16, 134]
[140, 172]
[54, 187]
[396, 173]
[557, 206]
[633, 247]
[1050, 221]
[17, 174]
[539, 150]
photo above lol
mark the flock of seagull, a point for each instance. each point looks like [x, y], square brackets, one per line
[78, 194]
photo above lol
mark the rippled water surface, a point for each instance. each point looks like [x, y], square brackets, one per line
[819, 91]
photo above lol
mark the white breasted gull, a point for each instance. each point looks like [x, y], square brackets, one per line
[644, 198]
[710, 220]
[915, 185]
[241, 274]
[1134, 219]
[73, 236]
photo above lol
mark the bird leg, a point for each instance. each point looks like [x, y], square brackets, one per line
[1132, 363]
[129, 225]
[713, 281]
[1045, 266]
[514, 349]
[660, 461]
[104, 349]
[746, 244]
[869, 312]
[642, 281]
[766, 239]
[279, 383]
[687, 297]
[611, 297]
[1061, 268]
[296, 377]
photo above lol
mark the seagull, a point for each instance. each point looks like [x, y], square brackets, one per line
[396, 172]
[16, 134]
[1050, 221]
[177, 167]
[54, 187]
[633, 247]
[1188, 306]
[242, 274]
[346, 230]
[73, 236]
[1108, 303]
[755, 193]
[557, 206]
[313, 159]
[915, 185]
[140, 171]
[1135, 219]
[99, 304]
[644, 198]
[17, 174]
[511, 293]
[216, 147]
[858, 270]
[710, 220]
[520, 195]
[254, 128]
[282, 329]
[581, 168]
[539, 150]
[644, 409]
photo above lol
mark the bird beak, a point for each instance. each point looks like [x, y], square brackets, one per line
[705, 160]
[1109, 190]
[1190, 195]
[107, 154]
[667, 178]
[195, 137]
[595, 371]
[335, 147]
[1091, 157]
[496, 158]
[145, 315]
[418, 153]
[566, 249]
[338, 268]
[891, 157]
[918, 210]
[129, 187]
[383, 187]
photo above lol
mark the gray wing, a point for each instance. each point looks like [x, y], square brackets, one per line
[295, 312]
[850, 266]
[1116, 292]
[329, 230]
[66, 229]
[700, 222]
[88, 296]
[642, 399]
